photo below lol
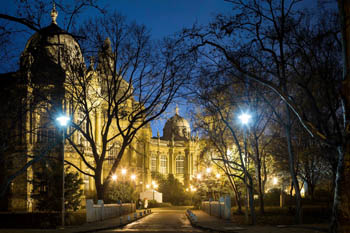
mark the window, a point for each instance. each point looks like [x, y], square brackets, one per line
[112, 155]
[86, 182]
[81, 140]
[153, 163]
[46, 135]
[163, 164]
[180, 164]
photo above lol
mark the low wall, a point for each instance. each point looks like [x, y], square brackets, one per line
[152, 195]
[220, 209]
[101, 211]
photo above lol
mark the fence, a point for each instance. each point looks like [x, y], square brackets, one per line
[220, 209]
[101, 211]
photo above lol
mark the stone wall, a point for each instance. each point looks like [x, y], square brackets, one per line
[220, 209]
[102, 211]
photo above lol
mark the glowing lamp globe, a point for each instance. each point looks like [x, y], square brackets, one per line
[63, 120]
[245, 118]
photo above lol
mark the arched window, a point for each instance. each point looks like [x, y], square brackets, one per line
[180, 164]
[153, 163]
[163, 164]
[112, 153]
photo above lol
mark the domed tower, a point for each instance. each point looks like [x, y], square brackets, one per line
[177, 128]
[50, 54]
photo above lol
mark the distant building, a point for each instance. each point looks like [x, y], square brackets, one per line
[29, 127]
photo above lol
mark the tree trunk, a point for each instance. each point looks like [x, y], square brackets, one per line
[260, 188]
[237, 196]
[337, 191]
[251, 202]
[311, 190]
[341, 202]
[98, 184]
[291, 160]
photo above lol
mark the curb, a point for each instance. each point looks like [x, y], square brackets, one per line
[136, 216]
[194, 222]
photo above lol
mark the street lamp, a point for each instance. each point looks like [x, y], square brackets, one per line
[63, 122]
[208, 170]
[245, 118]
[133, 177]
[275, 180]
[114, 177]
[218, 176]
[124, 173]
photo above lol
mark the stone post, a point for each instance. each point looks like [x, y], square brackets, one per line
[90, 210]
[227, 207]
[102, 209]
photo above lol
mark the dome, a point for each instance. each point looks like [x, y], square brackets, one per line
[50, 51]
[177, 128]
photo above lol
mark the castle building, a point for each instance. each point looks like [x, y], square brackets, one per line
[30, 100]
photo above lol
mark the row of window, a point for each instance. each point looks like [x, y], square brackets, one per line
[163, 162]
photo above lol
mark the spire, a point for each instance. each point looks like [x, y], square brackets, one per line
[54, 13]
[92, 62]
[158, 136]
[177, 110]
[105, 57]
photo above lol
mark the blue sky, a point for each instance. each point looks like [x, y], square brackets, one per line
[165, 17]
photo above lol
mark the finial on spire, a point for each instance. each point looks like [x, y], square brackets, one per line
[92, 61]
[177, 110]
[158, 136]
[54, 13]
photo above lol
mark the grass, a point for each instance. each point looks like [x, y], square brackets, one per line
[284, 216]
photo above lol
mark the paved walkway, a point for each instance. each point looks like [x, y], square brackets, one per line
[111, 223]
[161, 220]
[207, 222]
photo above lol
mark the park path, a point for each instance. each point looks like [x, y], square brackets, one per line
[161, 220]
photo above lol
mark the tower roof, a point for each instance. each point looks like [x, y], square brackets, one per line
[51, 49]
[176, 128]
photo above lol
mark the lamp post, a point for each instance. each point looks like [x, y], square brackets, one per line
[245, 118]
[123, 174]
[63, 122]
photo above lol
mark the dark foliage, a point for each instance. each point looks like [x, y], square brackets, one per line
[47, 188]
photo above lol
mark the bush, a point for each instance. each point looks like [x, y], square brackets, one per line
[172, 189]
[47, 187]
[155, 204]
[272, 197]
[122, 191]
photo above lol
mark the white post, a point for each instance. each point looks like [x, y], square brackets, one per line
[102, 212]
[227, 207]
[90, 210]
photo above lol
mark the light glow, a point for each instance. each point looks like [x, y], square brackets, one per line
[147, 186]
[133, 177]
[244, 118]
[208, 170]
[199, 176]
[275, 180]
[218, 175]
[114, 177]
[123, 171]
[63, 120]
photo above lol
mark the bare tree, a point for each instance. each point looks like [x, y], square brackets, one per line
[134, 81]
[269, 29]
